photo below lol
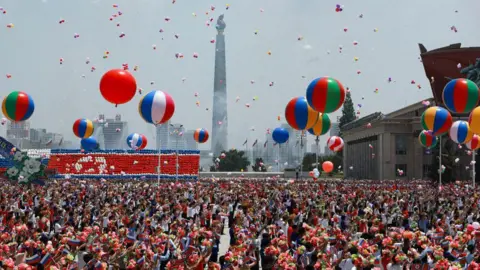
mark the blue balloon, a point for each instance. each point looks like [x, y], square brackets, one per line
[89, 144]
[280, 135]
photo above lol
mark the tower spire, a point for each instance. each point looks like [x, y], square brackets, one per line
[219, 112]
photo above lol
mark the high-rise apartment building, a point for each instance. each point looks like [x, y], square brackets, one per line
[163, 136]
[177, 140]
[190, 143]
[111, 133]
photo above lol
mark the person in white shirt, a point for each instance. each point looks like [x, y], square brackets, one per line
[324, 221]
[347, 264]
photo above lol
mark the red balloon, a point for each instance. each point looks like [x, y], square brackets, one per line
[118, 86]
[327, 166]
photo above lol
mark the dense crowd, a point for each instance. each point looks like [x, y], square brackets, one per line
[267, 224]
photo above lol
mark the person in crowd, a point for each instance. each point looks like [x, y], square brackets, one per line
[272, 224]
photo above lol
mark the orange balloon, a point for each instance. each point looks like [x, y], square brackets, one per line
[118, 86]
[327, 166]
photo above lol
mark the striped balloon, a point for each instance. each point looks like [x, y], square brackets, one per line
[427, 139]
[144, 142]
[461, 95]
[474, 120]
[322, 126]
[83, 128]
[460, 132]
[200, 135]
[299, 114]
[134, 141]
[335, 143]
[18, 106]
[325, 94]
[437, 119]
[156, 107]
[474, 143]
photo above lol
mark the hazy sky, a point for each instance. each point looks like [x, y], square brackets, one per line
[30, 52]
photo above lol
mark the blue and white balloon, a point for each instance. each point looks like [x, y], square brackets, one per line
[134, 141]
[156, 107]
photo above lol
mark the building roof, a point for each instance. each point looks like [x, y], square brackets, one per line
[363, 121]
[380, 116]
[441, 65]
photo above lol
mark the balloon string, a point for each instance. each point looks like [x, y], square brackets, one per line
[116, 105]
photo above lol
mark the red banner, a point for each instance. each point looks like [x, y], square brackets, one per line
[122, 164]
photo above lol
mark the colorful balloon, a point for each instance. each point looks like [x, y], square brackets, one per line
[89, 144]
[144, 142]
[322, 126]
[327, 166]
[474, 143]
[474, 120]
[18, 106]
[299, 114]
[200, 135]
[460, 95]
[118, 86]
[83, 128]
[325, 94]
[437, 119]
[280, 135]
[460, 132]
[335, 143]
[427, 139]
[156, 107]
[135, 141]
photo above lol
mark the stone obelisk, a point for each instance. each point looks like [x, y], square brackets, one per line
[219, 112]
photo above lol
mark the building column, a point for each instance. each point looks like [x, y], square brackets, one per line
[388, 157]
[345, 163]
[380, 156]
[418, 158]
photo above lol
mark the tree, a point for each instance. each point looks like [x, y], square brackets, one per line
[233, 161]
[450, 152]
[259, 166]
[348, 113]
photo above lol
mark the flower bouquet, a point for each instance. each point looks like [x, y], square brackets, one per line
[442, 264]
[26, 169]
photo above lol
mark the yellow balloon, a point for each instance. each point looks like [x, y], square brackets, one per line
[474, 120]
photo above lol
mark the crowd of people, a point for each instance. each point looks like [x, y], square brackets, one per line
[239, 224]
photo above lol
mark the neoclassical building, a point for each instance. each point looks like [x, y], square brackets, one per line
[378, 145]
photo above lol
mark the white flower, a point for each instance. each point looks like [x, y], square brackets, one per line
[31, 166]
[13, 171]
[23, 177]
[19, 156]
